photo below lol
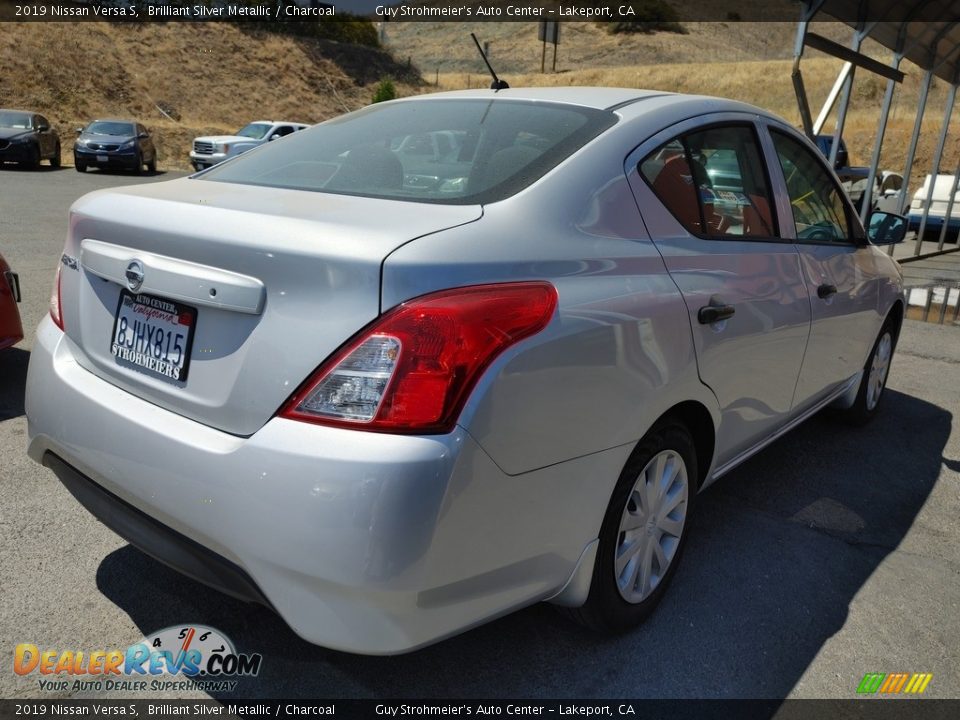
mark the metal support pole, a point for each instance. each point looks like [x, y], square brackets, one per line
[937, 157]
[881, 130]
[914, 138]
[946, 217]
[858, 36]
[798, 88]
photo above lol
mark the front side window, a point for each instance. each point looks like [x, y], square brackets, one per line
[441, 151]
[819, 211]
[713, 182]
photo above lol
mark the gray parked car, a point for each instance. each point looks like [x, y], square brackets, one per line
[392, 397]
[111, 144]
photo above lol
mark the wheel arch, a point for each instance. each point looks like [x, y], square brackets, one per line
[698, 420]
[895, 315]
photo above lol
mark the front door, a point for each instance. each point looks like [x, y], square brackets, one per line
[838, 268]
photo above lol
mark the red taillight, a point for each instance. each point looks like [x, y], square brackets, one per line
[55, 312]
[412, 370]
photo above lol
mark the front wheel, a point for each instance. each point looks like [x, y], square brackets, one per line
[644, 531]
[874, 380]
[81, 167]
[55, 159]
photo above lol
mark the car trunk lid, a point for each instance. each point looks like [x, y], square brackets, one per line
[253, 288]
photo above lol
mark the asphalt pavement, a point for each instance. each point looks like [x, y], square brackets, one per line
[833, 553]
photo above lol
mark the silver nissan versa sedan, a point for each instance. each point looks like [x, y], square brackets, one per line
[393, 394]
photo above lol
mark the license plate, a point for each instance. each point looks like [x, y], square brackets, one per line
[153, 334]
[103, 158]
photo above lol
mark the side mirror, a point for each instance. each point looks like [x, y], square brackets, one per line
[885, 228]
[79, 131]
[273, 137]
[143, 136]
[43, 128]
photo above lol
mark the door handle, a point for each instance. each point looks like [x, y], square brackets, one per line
[826, 290]
[714, 312]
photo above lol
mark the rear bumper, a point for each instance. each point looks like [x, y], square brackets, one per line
[154, 538]
[364, 542]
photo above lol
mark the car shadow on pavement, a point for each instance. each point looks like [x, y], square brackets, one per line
[43, 168]
[13, 380]
[781, 547]
[126, 173]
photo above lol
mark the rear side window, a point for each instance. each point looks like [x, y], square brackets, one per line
[442, 151]
[714, 183]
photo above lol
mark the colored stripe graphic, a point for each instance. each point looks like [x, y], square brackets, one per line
[870, 683]
[894, 683]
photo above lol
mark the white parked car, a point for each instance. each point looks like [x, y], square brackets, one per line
[938, 205]
[212, 149]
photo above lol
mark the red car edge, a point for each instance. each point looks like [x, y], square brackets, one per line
[11, 331]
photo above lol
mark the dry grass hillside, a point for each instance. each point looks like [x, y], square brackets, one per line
[745, 61]
[210, 78]
[217, 77]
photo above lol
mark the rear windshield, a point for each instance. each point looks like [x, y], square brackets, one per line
[456, 152]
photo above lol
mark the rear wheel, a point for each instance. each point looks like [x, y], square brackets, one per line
[874, 380]
[644, 531]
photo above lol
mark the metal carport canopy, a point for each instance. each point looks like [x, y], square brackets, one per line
[926, 32]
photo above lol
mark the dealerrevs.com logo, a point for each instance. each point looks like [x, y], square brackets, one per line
[182, 657]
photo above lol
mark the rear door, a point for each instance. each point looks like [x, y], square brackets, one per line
[704, 191]
[839, 268]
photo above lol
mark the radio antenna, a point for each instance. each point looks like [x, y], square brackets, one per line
[497, 83]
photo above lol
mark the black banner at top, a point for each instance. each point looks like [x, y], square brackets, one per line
[652, 12]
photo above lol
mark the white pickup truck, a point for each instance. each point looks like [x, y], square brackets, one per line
[212, 149]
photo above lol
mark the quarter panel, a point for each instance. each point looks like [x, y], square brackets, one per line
[619, 352]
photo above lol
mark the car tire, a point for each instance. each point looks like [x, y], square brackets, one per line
[875, 374]
[34, 159]
[81, 167]
[624, 589]
[55, 158]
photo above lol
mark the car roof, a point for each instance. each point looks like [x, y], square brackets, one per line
[116, 120]
[601, 98]
[275, 122]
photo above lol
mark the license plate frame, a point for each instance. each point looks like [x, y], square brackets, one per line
[137, 348]
[103, 158]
